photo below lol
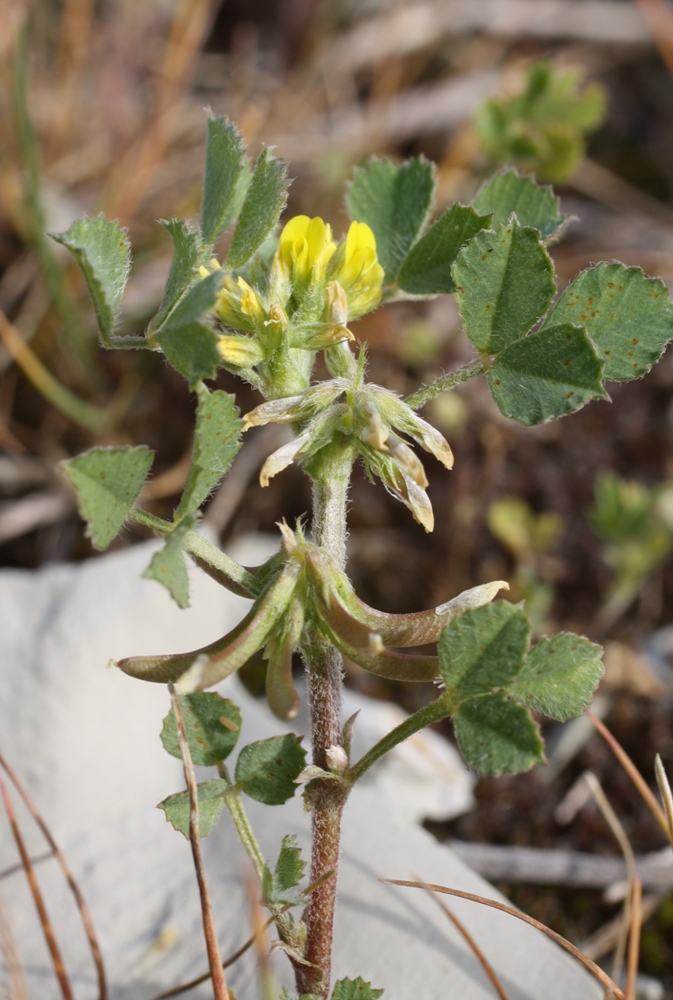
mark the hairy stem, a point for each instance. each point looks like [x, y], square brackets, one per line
[324, 665]
[428, 392]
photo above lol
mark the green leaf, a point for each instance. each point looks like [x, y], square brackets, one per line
[482, 650]
[210, 796]
[394, 202]
[217, 440]
[103, 252]
[107, 482]
[355, 989]
[496, 736]
[559, 676]
[196, 303]
[628, 317]
[266, 770]
[261, 209]
[547, 375]
[504, 284]
[224, 162]
[427, 268]
[533, 206]
[210, 739]
[192, 350]
[289, 870]
[168, 565]
[187, 255]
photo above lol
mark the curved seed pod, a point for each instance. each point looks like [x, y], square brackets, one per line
[384, 662]
[230, 652]
[360, 620]
[280, 690]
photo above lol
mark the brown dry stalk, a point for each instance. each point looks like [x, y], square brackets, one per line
[54, 951]
[462, 929]
[74, 888]
[665, 792]
[594, 969]
[634, 940]
[632, 771]
[214, 957]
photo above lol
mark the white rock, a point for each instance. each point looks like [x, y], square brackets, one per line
[85, 741]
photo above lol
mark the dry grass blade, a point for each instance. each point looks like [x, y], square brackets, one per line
[214, 959]
[13, 869]
[591, 967]
[74, 888]
[665, 792]
[54, 951]
[633, 773]
[472, 944]
[259, 925]
[617, 829]
[10, 954]
[634, 939]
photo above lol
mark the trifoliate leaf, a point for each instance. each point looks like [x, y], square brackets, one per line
[168, 566]
[211, 801]
[103, 252]
[217, 440]
[394, 202]
[224, 162]
[483, 650]
[212, 724]
[559, 676]
[355, 989]
[427, 268]
[266, 770]
[504, 284]
[534, 206]
[547, 375]
[107, 482]
[261, 209]
[192, 350]
[496, 736]
[628, 317]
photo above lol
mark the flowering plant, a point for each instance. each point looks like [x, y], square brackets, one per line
[265, 312]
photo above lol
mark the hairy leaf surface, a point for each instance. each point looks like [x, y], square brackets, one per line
[212, 724]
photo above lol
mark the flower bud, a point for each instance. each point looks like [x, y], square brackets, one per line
[242, 352]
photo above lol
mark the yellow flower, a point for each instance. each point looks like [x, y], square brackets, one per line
[305, 248]
[239, 306]
[358, 271]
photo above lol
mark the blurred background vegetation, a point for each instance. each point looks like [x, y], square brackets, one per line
[101, 109]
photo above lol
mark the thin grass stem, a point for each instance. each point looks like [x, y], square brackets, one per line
[214, 958]
[594, 969]
[50, 938]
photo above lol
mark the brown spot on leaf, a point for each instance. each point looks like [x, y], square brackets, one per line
[634, 341]
[611, 284]
[566, 362]
[498, 381]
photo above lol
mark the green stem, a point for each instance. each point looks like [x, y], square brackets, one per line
[212, 560]
[448, 381]
[325, 667]
[436, 710]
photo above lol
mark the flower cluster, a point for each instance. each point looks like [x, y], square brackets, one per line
[304, 298]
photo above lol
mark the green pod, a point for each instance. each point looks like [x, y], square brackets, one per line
[280, 690]
[229, 653]
[383, 662]
[359, 620]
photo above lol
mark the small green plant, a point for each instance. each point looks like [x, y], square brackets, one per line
[635, 523]
[543, 128]
[528, 537]
[264, 312]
